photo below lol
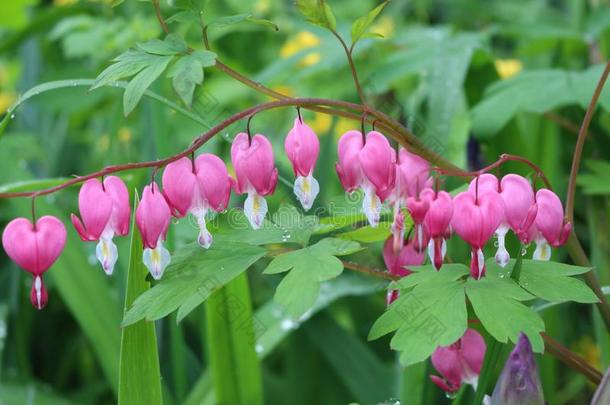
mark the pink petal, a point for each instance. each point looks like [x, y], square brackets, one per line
[438, 217]
[180, 185]
[254, 164]
[214, 181]
[80, 229]
[518, 197]
[550, 217]
[446, 360]
[377, 159]
[239, 148]
[473, 351]
[302, 147]
[486, 182]
[152, 216]
[95, 208]
[348, 167]
[415, 172]
[121, 210]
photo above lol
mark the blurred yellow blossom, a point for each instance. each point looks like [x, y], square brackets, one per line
[302, 40]
[62, 3]
[508, 67]
[384, 26]
[321, 123]
[261, 6]
[6, 100]
[124, 134]
[285, 90]
[587, 348]
[103, 143]
[343, 125]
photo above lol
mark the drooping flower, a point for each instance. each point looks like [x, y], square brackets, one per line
[519, 207]
[437, 224]
[418, 207]
[550, 227]
[197, 188]
[302, 147]
[369, 166]
[519, 383]
[35, 248]
[153, 216]
[397, 263]
[459, 363]
[412, 176]
[475, 220]
[105, 211]
[256, 174]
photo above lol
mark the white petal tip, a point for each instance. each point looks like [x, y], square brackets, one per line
[156, 260]
[255, 209]
[306, 190]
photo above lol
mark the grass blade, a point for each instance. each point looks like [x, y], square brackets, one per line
[139, 375]
[235, 369]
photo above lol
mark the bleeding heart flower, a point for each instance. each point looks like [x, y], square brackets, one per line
[475, 221]
[369, 166]
[35, 249]
[302, 147]
[105, 211]
[153, 216]
[418, 207]
[256, 174]
[197, 188]
[397, 263]
[460, 363]
[437, 224]
[550, 226]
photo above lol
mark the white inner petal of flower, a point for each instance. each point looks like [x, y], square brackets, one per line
[480, 261]
[371, 205]
[543, 250]
[107, 254]
[205, 237]
[255, 209]
[502, 255]
[156, 260]
[306, 190]
[38, 289]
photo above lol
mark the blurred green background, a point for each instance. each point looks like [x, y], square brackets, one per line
[474, 79]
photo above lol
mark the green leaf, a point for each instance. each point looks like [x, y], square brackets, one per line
[206, 58]
[173, 44]
[138, 85]
[308, 267]
[235, 19]
[187, 73]
[231, 336]
[493, 298]
[490, 362]
[191, 277]
[595, 182]
[362, 24]
[126, 65]
[139, 375]
[184, 16]
[431, 314]
[368, 234]
[318, 13]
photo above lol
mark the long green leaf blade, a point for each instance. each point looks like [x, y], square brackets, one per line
[139, 375]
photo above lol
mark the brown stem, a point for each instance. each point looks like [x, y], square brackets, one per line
[562, 122]
[196, 144]
[571, 359]
[370, 271]
[160, 16]
[580, 142]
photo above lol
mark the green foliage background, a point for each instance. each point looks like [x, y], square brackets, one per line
[473, 79]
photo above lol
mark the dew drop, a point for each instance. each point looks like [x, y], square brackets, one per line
[12, 116]
[175, 221]
[451, 395]
[523, 252]
[259, 348]
[502, 275]
[496, 243]
[289, 324]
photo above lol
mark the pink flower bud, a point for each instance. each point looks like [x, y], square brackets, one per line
[196, 188]
[475, 221]
[397, 263]
[35, 249]
[459, 362]
[437, 224]
[256, 174]
[302, 147]
[413, 173]
[153, 216]
[377, 159]
[105, 212]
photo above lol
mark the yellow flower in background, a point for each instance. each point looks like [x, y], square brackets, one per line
[285, 90]
[384, 26]
[343, 125]
[62, 3]
[6, 100]
[302, 40]
[508, 67]
[587, 348]
[321, 123]
[124, 135]
[103, 143]
[261, 6]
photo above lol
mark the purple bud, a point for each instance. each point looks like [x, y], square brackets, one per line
[519, 383]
